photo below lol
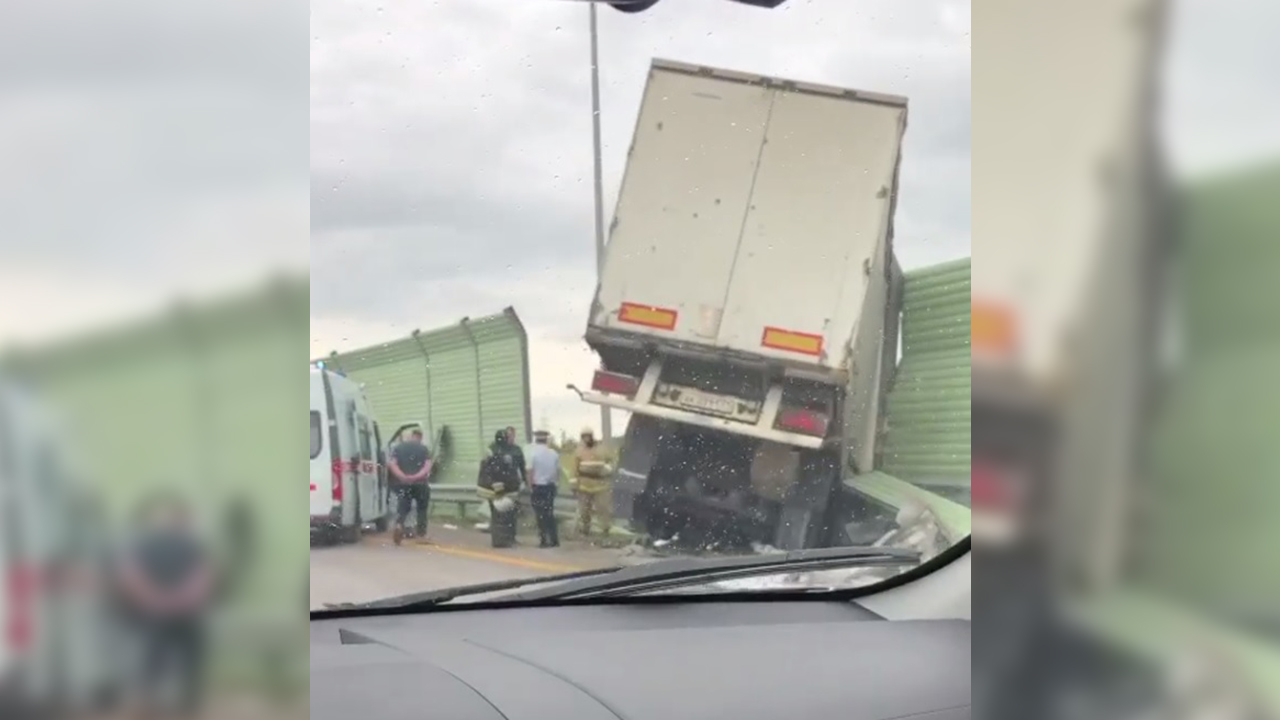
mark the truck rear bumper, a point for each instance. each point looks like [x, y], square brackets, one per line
[604, 339]
[705, 421]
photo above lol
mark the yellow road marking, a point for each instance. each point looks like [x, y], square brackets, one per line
[505, 559]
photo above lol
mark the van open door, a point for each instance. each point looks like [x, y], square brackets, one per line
[321, 492]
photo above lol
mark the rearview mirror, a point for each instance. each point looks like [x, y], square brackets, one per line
[635, 6]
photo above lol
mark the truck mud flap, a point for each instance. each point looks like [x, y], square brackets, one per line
[635, 462]
[803, 520]
[628, 492]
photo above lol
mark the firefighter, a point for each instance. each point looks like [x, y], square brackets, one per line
[592, 484]
[499, 483]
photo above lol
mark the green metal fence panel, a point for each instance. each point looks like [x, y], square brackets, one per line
[471, 378]
[1209, 490]
[928, 425]
[179, 400]
[198, 400]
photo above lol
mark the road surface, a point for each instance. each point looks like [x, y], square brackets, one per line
[376, 568]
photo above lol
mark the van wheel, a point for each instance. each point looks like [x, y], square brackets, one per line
[356, 531]
[108, 698]
[350, 534]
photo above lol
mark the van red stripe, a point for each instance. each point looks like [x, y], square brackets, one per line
[22, 587]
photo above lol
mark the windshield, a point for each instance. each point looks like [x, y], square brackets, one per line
[712, 268]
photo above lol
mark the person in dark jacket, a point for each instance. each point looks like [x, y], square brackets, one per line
[167, 584]
[515, 448]
[499, 483]
[411, 468]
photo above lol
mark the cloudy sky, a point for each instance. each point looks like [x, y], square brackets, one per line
[153, 148]
[147, 149]
[1222, 91]
[451, 149]
[451, 141]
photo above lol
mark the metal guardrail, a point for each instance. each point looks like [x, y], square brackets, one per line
[465, 498]
[455, 493]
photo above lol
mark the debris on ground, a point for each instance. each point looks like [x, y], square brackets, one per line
[663, 543]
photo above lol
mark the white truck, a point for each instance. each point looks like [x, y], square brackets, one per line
[748, 304]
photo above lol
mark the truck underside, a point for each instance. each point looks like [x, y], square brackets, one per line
[703, 489]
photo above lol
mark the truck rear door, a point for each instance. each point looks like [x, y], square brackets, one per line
[816, 226]
[685, 193]
[750, 213]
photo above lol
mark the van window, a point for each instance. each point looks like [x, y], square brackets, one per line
[8, 463]
[317, 439]
[366, 439]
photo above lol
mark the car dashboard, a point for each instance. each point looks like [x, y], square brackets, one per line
[641, 661]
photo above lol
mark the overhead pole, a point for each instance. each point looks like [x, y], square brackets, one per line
[606, 419]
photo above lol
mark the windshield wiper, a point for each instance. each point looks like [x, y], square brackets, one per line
[648, 577]
[432, 598]
[685, 572]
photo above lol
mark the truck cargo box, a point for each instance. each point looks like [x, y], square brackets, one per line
[752, 217]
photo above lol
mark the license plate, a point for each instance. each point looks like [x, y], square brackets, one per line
[707, 403]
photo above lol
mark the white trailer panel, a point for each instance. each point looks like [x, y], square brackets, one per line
[751, 203]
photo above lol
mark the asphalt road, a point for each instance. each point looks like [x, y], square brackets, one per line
[376, 568]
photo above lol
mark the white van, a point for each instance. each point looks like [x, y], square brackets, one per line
[53, 626]
[348, 470]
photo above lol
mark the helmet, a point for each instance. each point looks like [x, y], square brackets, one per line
[588, 431]
[504, 504]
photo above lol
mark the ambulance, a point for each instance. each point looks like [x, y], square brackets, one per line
[349, 488]
[55, 623]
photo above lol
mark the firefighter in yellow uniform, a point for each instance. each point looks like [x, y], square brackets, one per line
[592, 484]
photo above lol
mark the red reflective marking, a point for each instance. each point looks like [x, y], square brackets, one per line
[989, 490]
[615, 383]
[804, 421]
[23, 584]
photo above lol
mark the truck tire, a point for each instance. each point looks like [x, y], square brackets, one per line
[803, 520]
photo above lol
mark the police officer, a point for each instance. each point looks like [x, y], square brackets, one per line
[544, 475]
[592, 485]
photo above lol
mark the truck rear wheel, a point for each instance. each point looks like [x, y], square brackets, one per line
[803, 521]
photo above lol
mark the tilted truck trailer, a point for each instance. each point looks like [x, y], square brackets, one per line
[748, 304]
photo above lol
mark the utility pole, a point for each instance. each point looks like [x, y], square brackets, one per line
[606, 420]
